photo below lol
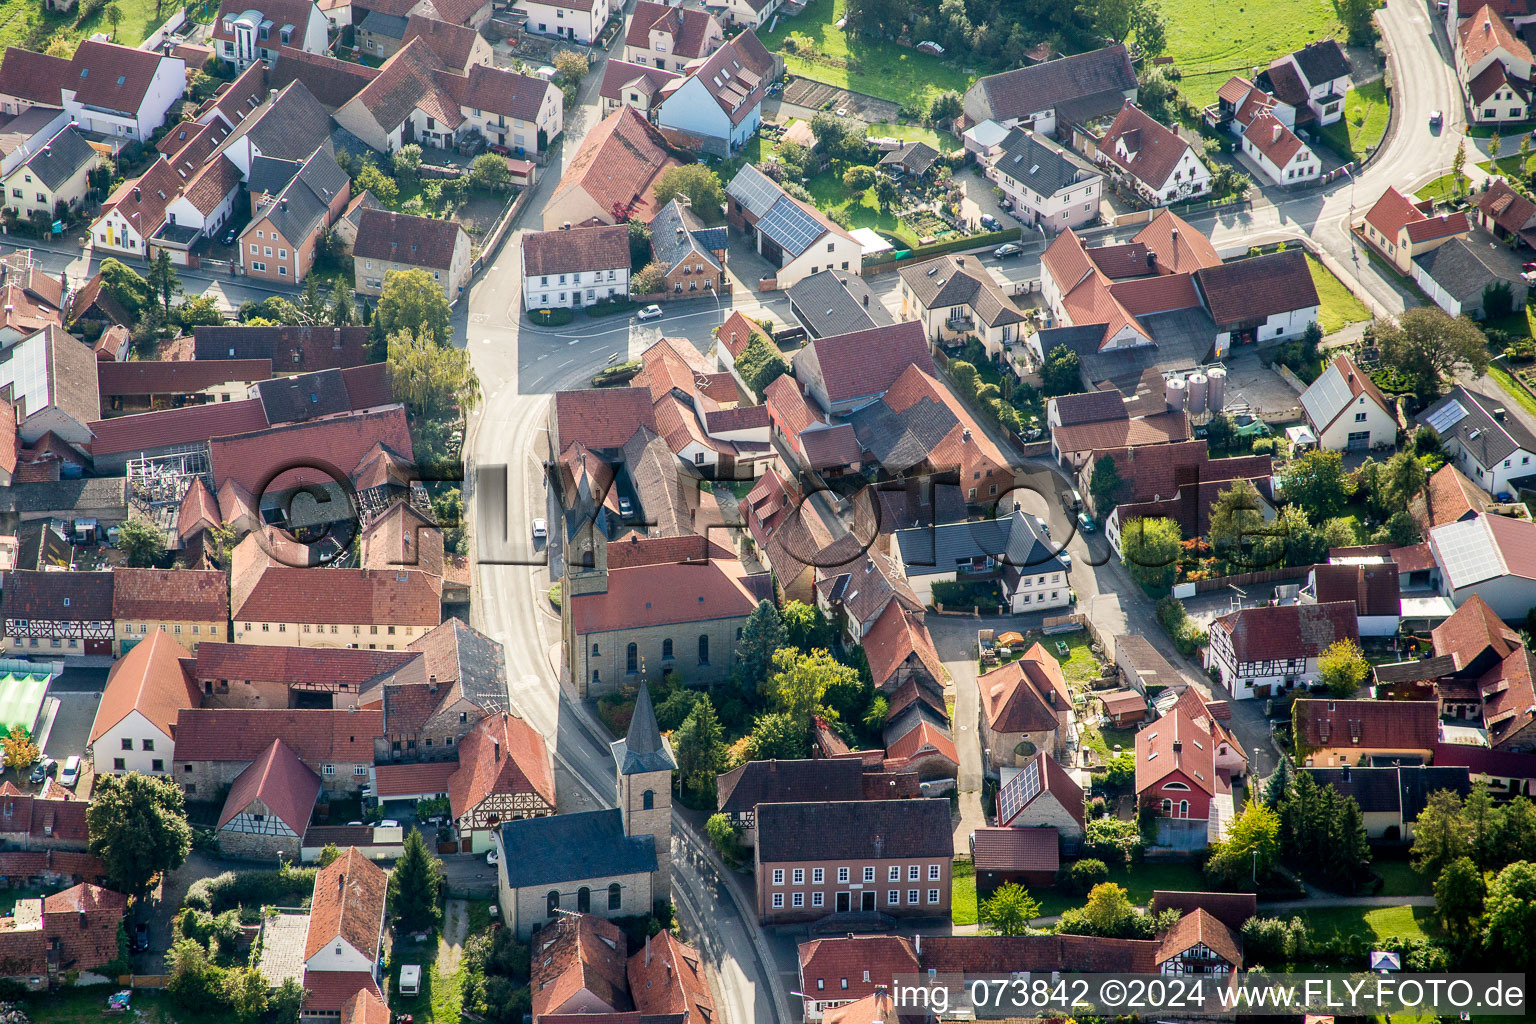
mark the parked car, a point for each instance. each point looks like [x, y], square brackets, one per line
[490, 857]
[71, 773]
[990, 222]
[140, 937]
[1006, 250]
[1085, 522]
[625, 506]
[540, 529]
[389, 823]
[651, 312]
[43, 768]
[229, 237]
[1435, 118]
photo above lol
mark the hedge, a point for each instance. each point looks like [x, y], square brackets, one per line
[940, 248]
[289, 887]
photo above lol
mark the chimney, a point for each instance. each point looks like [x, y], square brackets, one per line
[866, 301]
[917, 944]
[272, 95]
[1345, 774]
[1498, 413]
[959, 261]
[496, 748]
[1278, 130]
[1175, 234]
[965, 436]
[1178, 746]
[138, 194]
[432, 680]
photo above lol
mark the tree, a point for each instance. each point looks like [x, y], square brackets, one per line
[858, 178]
[1357, 17]
[697, 185]
[1458, 166]
[490, 171]
[570, 65]
[1322, 834]
[137, 825]
[343, 312]
[945, 105]
[1440, 836]
[1459, 894]
[125, 285]
[1108, 909]
[1278, 788]
[1525, 153]
[413, 301]
[1149, 28]
[199, 311]
[762, 635]
[700, 748]
[760, 364]
[1010, 909]
[649, 280]
[162, 279]
[1238, 531]
[776, 736]
[1121, 772]
[1104, 486]
[407, 162]
[639, 244]
[1085, 874]
[885, 193]
[1273, 942]
[1343, 668]
[1405, 479]
[328, 855]
[722, 835]
[1517, 830]
[286, 1002]
[1062, 372]
[415, 887]
[20, 751]
[141, 542]
[805, 627]
[191, 977]
[1251, 847]
[370, 178]
[1150, 551]
[1432, 348]
[1481, 818]
[1316, 481]
[114, 16]
[434, 381]
[245, 990]
[1509, 929]
[800, 681]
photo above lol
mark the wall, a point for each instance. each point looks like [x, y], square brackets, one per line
[135, 729]
[527, 909]
[611, 661]
[830, 887]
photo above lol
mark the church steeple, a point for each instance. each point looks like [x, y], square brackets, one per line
[645, 766]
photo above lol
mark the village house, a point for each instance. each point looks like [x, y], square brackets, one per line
[458, 48]
[741, 790]
[135, 723]
[1506, 214]
[1332, 733]
[1041, 795]
[578, 21]
[389, 242]
[753, 14]
[1176, 772]
[1026, 709]
[717, 106]
[269, 806]
[1313, 80]
[1400, 229]
[190, 604]
[836, 302]
[846, 372]
[279, 242]
[1199, 944]
[297, 349]
[1278, 152]
[1391, 797]
[1263, 652]
[794, 237]
[456, 679]
[1449, 497]
[954, 300]
[900, 650]
[612, 863]
[54, 938]
[692, 254]
[504, 774]
[344, 942]
[215, 745]
[612, 176]
[633, 85]
[1489, 557]
[1494, 66]
[564, 269]
[887, 856]
[112, 90]
[579, 968]
[1056, 93]
[243, 35]
[1482, 673]
[50, 828]
[1046, 184]
[57, 172]
[668, 977]
[57, 614]
[1155, 161]
[50, 379]
[1471, 275]
[1347, 411]
[668, 38]
[1481, 439]
[1014, 856]
[1031, 571]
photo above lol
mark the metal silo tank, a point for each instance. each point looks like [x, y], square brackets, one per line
[1196, 382]
[1174, 392]
[1216, 388]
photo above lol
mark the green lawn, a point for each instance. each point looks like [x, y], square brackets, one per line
[1363, 124]
[1514, 390]
[1399, 879]
[24, 23]
[1439, 189]
[1079, 664]
[89, 1006]
[1210, 42]
[963, 898]
[941, 141]
[828, 193]
[1338, 306]
[876, 67]
[1370, 922]
[1139, 880]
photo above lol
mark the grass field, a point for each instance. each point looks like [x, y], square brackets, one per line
[1399, 879]
[1210, 42]
[941, 141]
[1338, 306]
[1370, 922]
[827, 191]
[962, 904]
[1438, 189]
[1363, 124]
[876, 67]
[1140, 881]
[22, 21]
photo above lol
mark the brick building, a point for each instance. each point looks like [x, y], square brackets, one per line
[214, 746]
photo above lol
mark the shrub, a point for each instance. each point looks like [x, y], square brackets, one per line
[1085, 874]
[288, 887]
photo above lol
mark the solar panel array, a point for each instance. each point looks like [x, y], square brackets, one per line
[26, 371]
[1446, 417]
[1468, 552]
[1327, 397]
[791, 227]
[754, 190]
[1019, 791]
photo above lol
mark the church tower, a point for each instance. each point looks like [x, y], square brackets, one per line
[645, 765]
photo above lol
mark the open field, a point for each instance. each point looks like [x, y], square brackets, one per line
[1338, 306]
[19, 21]
[1210, 42]
[1374, 923]
[875, 67]
[1364, 122]
[941, 141]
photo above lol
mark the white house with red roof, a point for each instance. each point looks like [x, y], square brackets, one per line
[1176, 774]
[1401, 229]
[1159, 164]
[1280, 154]
[795, 237]
[1494, 65]
[578, 21]
[668, 38]
[1263, 652]
[1346, 409]
[135, 722]
[718, 106]
[626, 84]
[246, 31]
[113, 90]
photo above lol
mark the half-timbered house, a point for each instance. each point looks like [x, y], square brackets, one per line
[1199, 944]
[269, 806]
[215, 746]
[504, 774]
[57, 614]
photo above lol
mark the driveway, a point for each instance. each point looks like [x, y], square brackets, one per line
[954, 636]
[72, 724]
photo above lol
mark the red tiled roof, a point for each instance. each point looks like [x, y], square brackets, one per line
[1200, 928]
[260, 461]
[922, 741]
[34, 76]
[82, 921]
[1177, 246]
[601, 417]
[258, 663]
[600, 247]
[1016, 849]
[198, 511]
[1175, 743]
[1281, 632]
[618, 74]
[396, 780]
[348, 904]
[151, 680]
[667, 977]
[365, 1008]
[1371, 587]
[664, 594]
[1026, 695]
[1272, 138]
[895, 637]
[1128, 433]
[689, 29]
[617, 165]
[501, 754]
[152, 377]
[868, 362]
[185, 595]
[188, 425]
[1153, 151]
[317, 735]
[281, 781]
[1485, 32]
[1000, 954]
[828, 961]
[415, 241]
[331, 990]
[737, 331]
[1368, 724]
[579, 957]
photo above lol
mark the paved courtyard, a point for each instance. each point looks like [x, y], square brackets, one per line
[282, 948]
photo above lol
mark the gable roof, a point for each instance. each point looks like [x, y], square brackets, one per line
[744, 787]
[736, 75]
[150, 679]
[1232, 909]
[30, 75]
[280, 781]
[951, 281]
[1485, 32]
[451, 44]
[859, 829]
[112, 77]
[1258, 287]
[1281, 632]
[1019, 93]
[348, 904]
[407, 81]
[601, 418]
[1483, 548]
[689, 28]
[1449, 497]
[1200, 928]
[576, 955]
[170, 594]
[164, 427]
[315, 735]
[259, 461]
[186, 377]
[401, 238]
[292, 349]
[1322, 61]
[1175, 743]
[330, 81]
[1026, 695]
[501, 754]
[1368, 724]
[1336, 390]
[1152, 151]
[1046, 170]
[296, 665]
[866, 363]
[1393, 212]
[600, 247]
[617, 165]
[896, 636]
[1465, 269]
[837, 302]
[1507, 208]
[1053, 779]
[619, 75]
[668, 976]
[591, 844]
[1475, 422]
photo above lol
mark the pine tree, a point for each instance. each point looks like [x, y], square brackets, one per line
[700, 748]
[1482, 828]
[415, 886]
[1279, 785]
[760, 637]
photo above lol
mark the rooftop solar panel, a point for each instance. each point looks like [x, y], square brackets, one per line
[790, 226]
[1327, 397]
[1019, 791]
[1446, 417]
[754, 190]
[1467, 551]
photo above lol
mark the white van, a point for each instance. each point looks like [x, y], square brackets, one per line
[410, 979]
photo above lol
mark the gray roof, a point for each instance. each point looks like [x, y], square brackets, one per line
[952, 281]
[384, 25]
[304, 201]
[1043, 169]
[62, 158]
[1466, 416]
[916, 157]
[836, 302]
[1013, 542]
[1019, 93]
[854, 830]
[756, 782]
[1393, 789]
[901, 440]
[1464, 268]
[270, 175]
[65, 496]
[674, 240]
[1322, 61]
[1184, 337]
[643, 750]
[793, 228]
[754, 190]
[291, 127]
[1416, 782]
[577, 847]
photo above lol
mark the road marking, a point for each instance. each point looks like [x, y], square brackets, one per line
[563, 365]
[572, 341]
[485, 341]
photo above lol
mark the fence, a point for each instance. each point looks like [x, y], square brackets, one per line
[172, 24]
[1246, 579]
[1289, 376]
[142, 980]
[882, 262]
[498, 230]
